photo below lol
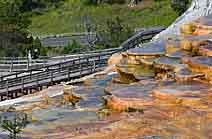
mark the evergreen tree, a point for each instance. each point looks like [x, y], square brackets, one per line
[13, 25]
[180, 5]
[12, 18]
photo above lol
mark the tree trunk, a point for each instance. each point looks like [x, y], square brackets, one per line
[197, 9]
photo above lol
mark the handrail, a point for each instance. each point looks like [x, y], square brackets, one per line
[81, 63]
[53, 65]
[56, 57]
[12, 82]
[124, 46]
[22, 64]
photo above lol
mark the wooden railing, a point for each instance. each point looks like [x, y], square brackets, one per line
[13, 85]
[10, 64]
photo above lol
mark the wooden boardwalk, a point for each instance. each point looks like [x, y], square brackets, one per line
[32, 80]
[11, 65]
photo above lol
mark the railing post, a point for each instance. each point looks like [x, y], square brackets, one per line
[79, 59]
[91, 66]
[59, 67]
[80, 70]
[137, 42]
[51, 77]
[22, 82]
[30, 75]
[69, 73]
[94, 66]
[27, 63]
[37, 82]
[11, 67]
[100, 60]
[7, 87]
[99, 57]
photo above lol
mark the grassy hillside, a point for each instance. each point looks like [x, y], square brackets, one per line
[70, 17]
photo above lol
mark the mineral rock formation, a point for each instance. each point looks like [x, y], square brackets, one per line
[68, 96]
[190, 94]
[147, 51]
[126, 77]
[166, 63]
[205, 50]
[179, 64]
[197, 9]
[172, 46]
[187, 29]
[129, 73]
[155, 48]
[132, 97]
[115, 59]
[165, 67]
[184, 75]
[203, 25]
[200, 65]
[192, 42]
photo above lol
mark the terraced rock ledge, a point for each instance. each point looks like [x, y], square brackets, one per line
[181, 85]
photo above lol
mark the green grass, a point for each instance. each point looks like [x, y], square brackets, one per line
[69, 17]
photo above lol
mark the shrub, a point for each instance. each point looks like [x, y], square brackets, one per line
[14, 125]
[95, 2]
[114, 1]
[35, 47]
[72, 47]
[179, 6]
[114, 33]
[89, 2]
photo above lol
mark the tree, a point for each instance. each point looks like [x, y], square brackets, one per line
[95, 2]
[12, 18]
[14, 125]
[180, 5]
[73, 47]
[35, 47]
[114, 33]
[14, 21]
[13, 25]
[31, 5]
